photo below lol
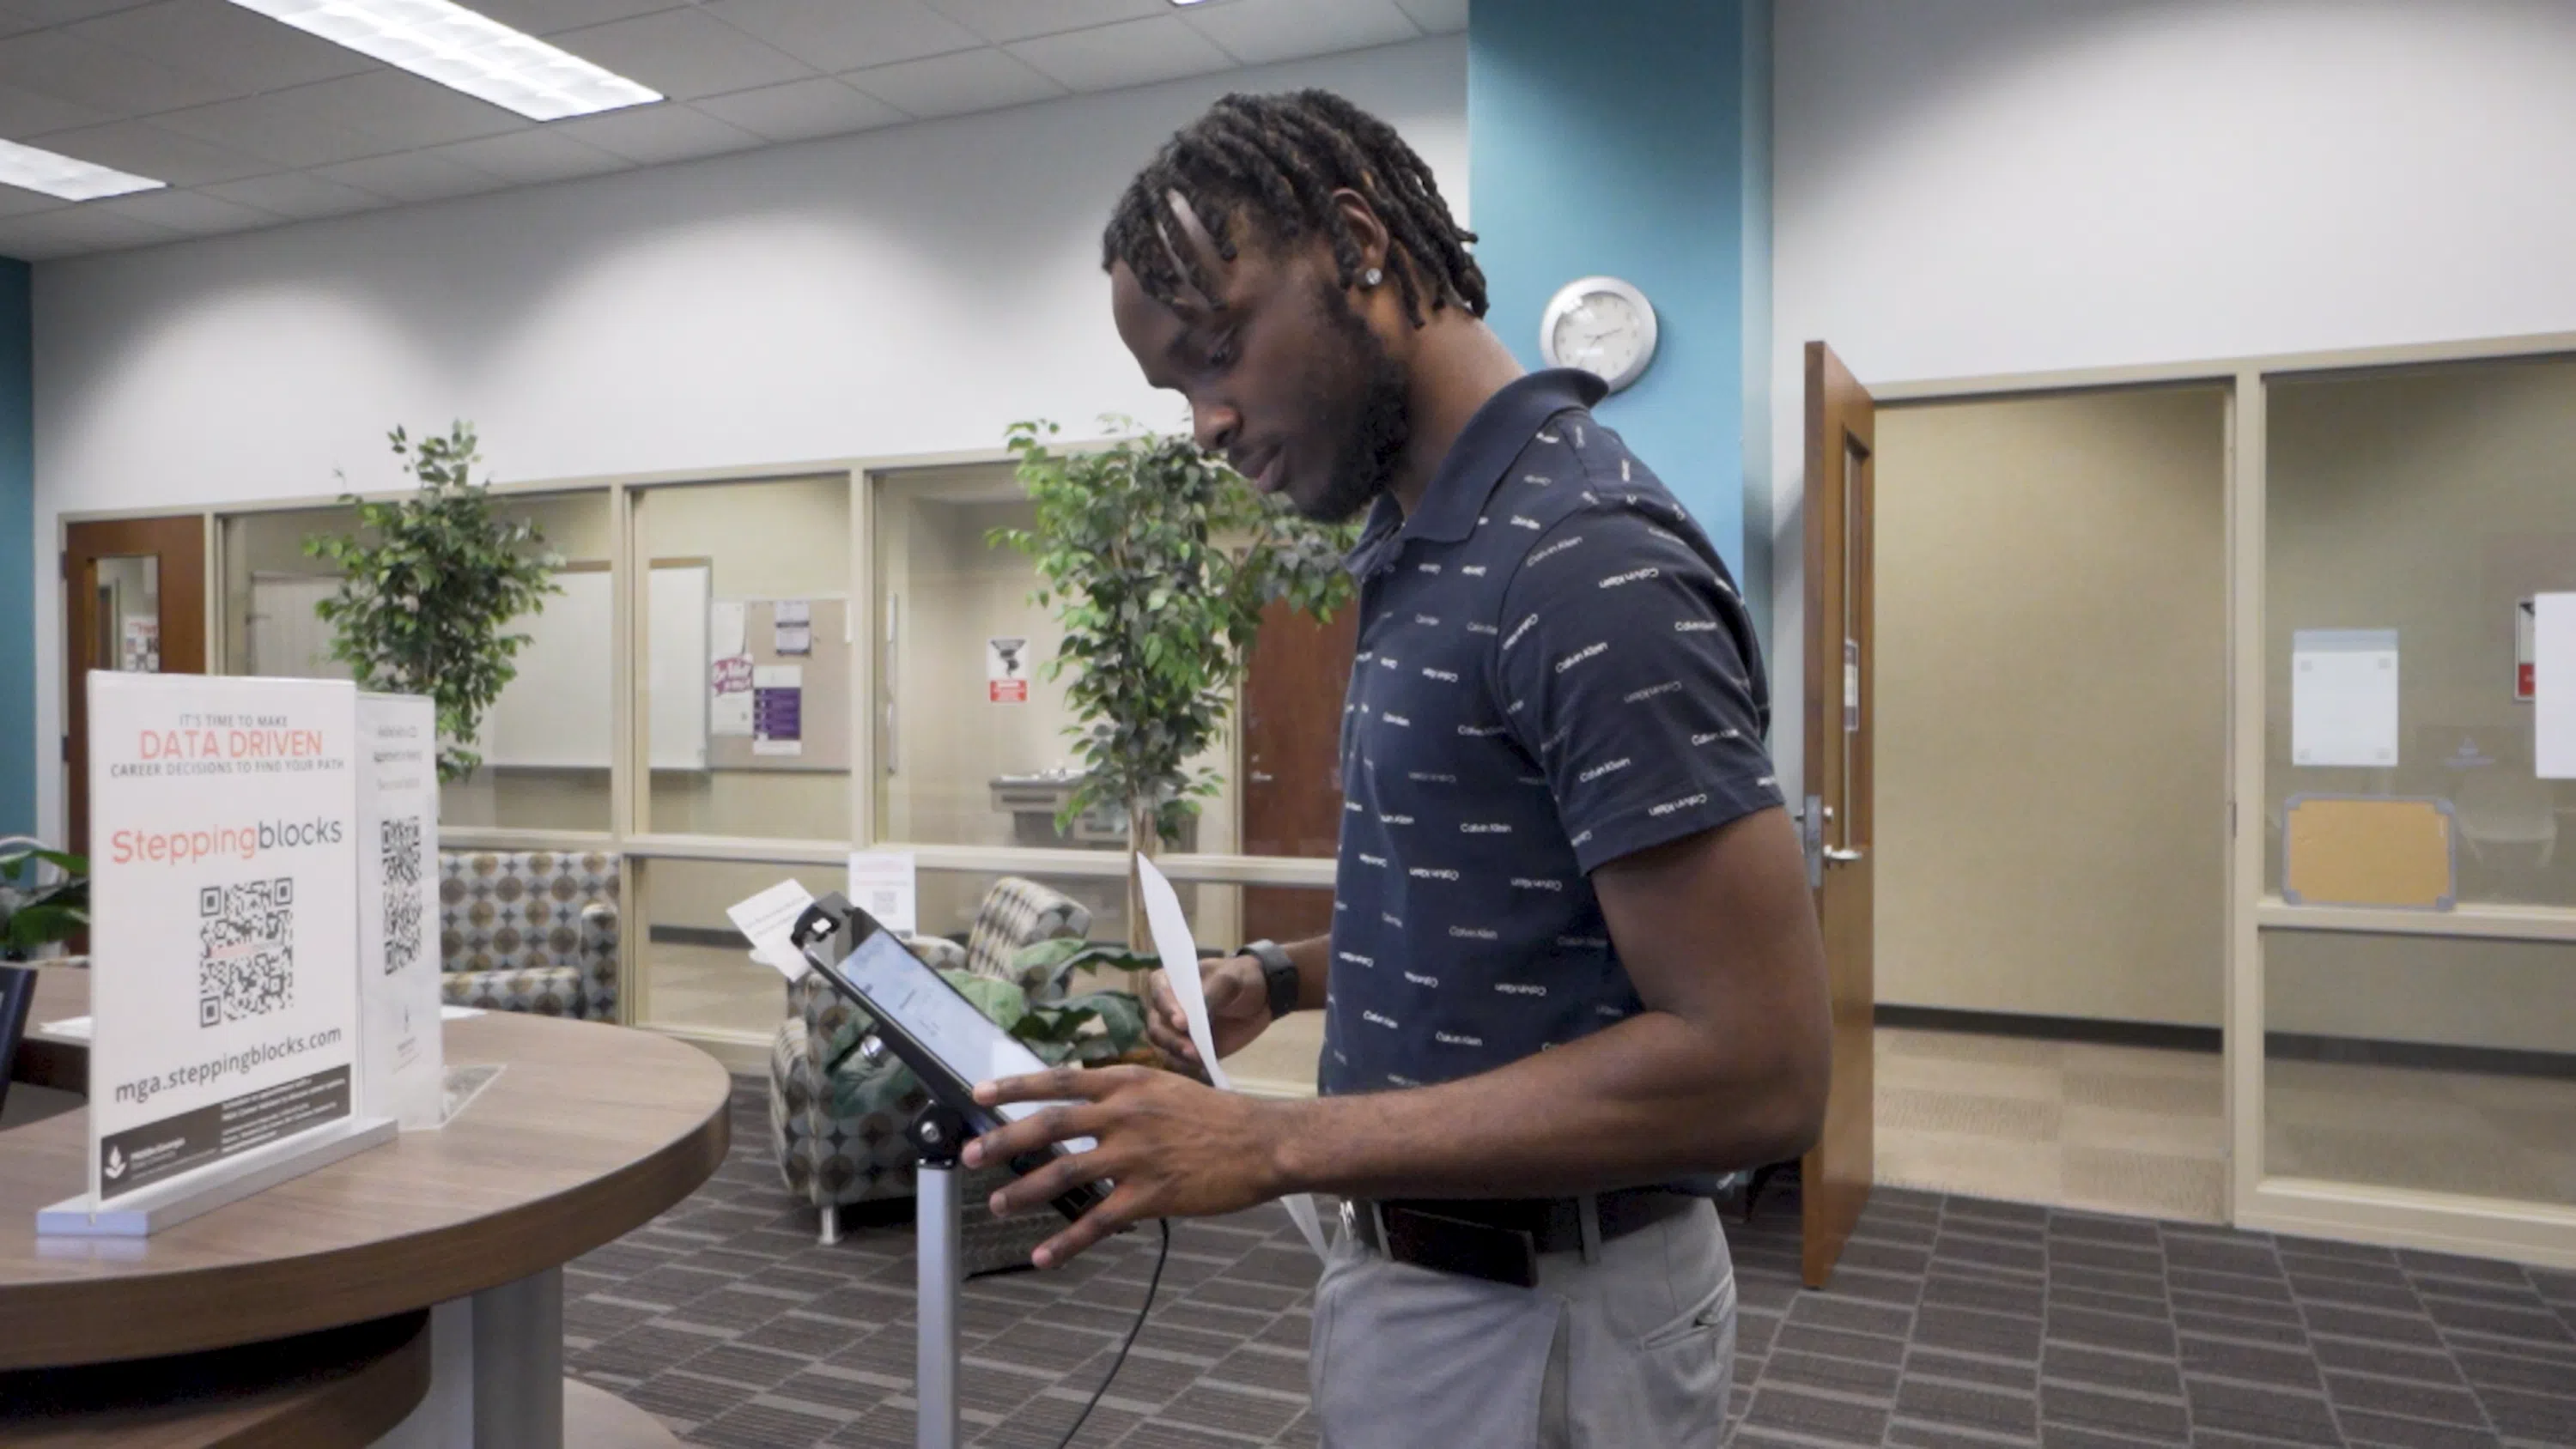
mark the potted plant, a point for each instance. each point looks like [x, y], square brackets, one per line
[428, 582]
[34, 912]
[1157, 560]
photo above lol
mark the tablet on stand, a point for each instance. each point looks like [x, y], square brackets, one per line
[951, 1046]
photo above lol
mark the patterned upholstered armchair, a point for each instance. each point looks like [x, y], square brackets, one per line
[532, 930]
[838, 1135]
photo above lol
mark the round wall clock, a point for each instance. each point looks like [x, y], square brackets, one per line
[1601, 325]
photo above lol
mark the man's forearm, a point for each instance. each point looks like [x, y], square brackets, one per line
[1649, 1100]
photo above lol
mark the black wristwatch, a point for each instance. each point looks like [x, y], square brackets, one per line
[1278, 974]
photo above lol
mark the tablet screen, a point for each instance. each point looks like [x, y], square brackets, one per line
[898, 986]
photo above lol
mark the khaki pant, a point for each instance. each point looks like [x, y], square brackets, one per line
[1634, 1350]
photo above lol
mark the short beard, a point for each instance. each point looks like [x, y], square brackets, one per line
[1381, 424]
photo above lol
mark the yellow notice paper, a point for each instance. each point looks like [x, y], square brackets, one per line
[1180, 954]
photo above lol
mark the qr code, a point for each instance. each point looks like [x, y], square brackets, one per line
[399, 848]
[245, 949]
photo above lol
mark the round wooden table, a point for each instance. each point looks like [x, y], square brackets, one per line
[588, 1132]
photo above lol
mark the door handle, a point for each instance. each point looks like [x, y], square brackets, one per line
[1262, 777]
[1840, 856]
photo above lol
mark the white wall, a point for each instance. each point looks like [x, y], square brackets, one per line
[1973, 187]
[908, 290]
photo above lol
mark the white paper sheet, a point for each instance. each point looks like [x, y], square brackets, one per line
[730, 714]
[885, 884]
[70, 1028]
[791, 611]
[2553, 686]
[767, 918]
[1180, 955]
[2343, 697]
[728, 629]
[458, 1013]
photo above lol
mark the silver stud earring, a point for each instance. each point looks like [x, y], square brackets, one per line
[1372, 277]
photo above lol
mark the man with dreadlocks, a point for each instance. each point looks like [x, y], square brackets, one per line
[1573, 966]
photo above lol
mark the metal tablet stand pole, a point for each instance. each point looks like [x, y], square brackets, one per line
[940, 1135]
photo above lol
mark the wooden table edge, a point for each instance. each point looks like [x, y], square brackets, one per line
[342, 1406]
[54, 1323]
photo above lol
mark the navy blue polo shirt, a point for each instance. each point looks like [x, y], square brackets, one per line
[1554, 671]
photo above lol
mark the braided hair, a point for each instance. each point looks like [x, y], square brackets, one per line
[1273, 163]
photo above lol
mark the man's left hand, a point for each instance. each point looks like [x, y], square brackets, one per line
[1170, 1147]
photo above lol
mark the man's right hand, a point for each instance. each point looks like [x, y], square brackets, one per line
[1238, 1010]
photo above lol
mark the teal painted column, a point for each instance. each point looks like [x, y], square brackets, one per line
[1616, 139]
[17, 552]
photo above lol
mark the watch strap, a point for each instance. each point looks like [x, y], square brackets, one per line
[1278, 976]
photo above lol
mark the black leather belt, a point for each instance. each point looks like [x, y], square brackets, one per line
[1501, 1240]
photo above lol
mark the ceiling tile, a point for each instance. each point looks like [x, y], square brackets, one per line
[1261, 33]
[403, 111]
[1131, 53]
[289, 128]
[651, 135]
[551, 17]
[62, 12]
[801, 110]
[59, 63]
[836, 35]
[32, 113]
[74, 230]
[1437, 17]
[240, 50]
[525, 157]
[193, 212]
[150, 150]
[412, 176]
[294, 194]
[951, 85]
[18, 201]
[684, 54]
[1001, 20]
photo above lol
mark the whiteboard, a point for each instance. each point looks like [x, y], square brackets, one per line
[286, 638]
[675, 677]
[555, 714]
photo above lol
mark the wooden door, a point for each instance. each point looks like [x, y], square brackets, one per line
[1835, 1175]
[1292, 770]
[134, 599]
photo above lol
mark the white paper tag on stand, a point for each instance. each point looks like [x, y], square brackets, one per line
[766, 919]
[1180, 954]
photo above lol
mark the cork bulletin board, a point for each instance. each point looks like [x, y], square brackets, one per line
[797, 715]
[2355, 850]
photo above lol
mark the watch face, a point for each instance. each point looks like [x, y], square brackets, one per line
[1602, 332]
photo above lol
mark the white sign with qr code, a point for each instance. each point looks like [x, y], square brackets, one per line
[402, 1060]
[885, 884]
[224, 927]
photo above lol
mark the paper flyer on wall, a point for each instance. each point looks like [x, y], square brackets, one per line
[1180, 957]
[2553, 653]
[401, 1052]
[887, 885]
[224, 1010]
[2343, 697]
[778, 709]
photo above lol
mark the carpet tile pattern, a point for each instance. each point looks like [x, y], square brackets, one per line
[1953, 1323]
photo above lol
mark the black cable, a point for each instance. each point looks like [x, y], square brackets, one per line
[1151, 1285]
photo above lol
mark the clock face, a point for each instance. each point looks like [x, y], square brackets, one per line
[1602, 326]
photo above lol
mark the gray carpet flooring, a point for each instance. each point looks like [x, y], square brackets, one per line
[1951, 1322]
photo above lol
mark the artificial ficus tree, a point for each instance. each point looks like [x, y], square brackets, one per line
[1157, 560]
[428, 584]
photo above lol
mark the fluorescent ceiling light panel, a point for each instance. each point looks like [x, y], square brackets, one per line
[456, 47]
[64, 177]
